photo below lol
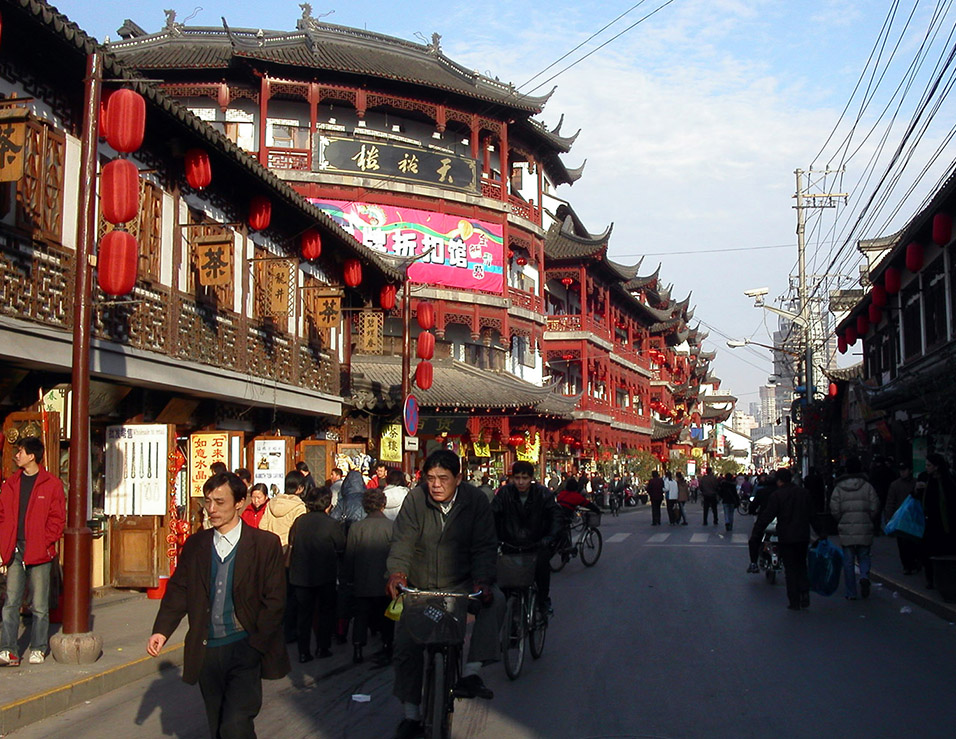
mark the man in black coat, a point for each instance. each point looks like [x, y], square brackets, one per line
[792, 506]
[317, 543]
[230, 583]
[655, 491]
[527, 515]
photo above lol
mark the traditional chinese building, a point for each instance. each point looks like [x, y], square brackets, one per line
[227, 328]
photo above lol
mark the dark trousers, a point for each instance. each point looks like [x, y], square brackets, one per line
[290, 619]
[794, 558]
[315, 604]
[231, 686]
[655, 513]
[542, 574]
[909, 553]
[672, 515]
[710, 504]
[370, 612]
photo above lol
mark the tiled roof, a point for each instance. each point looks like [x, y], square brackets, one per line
[376, 382]
[662, 430]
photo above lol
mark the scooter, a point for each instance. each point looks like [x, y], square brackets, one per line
[769, 558]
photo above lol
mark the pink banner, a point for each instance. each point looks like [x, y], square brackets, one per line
[461, 253]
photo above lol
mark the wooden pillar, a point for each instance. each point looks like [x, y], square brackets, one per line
[263, 113]
[473, 139]
[313, 118]
[503, 161]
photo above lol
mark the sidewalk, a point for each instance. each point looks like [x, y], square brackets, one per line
[33, 692]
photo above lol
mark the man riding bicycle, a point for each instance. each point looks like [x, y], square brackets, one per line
[527, 516]
[569, 500]
[444, 539]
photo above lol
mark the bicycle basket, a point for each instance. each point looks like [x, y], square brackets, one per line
[516, 569]
[591, 518]
[435, 618]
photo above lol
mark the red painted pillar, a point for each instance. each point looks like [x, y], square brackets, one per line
[263, 113]
[503, 161]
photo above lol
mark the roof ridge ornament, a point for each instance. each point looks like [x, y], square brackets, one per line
[172, 26]
[435, 46]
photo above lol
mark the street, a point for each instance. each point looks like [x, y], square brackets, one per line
[665, 637]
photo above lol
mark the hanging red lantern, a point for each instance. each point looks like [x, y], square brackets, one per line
[425, 345]
[914, 256]
[352, 272]
[117, 263]
[566, 281]
[521, 261]
[311, 244]
[833, 390]
[260, 212]
[878, 296]
[851, 335]
[125, 120]
[198, 169]
[119, 191]
[875, 314]
[424, 374]
[102, 120]
[892, 280]
[426, 316]
[841, 344]
[386, 297]
[942, 228]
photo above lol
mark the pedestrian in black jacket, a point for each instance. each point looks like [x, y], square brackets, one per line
[317, 541]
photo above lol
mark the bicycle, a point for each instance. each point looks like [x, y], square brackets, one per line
[614, 504]
[524, 624]
[585, 538]
[437, 620]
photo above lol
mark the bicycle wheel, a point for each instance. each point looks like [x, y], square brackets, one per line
[742, 508]
[591, 547]
[558, 560]
[513, 636]
[435, 696]
[539, 627]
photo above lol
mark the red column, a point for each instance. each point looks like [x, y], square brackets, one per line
[503, 161]
[313, 117]
[263, 112]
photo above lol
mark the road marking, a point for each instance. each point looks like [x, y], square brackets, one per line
[739, 538]
[658, 538]
[616, 538]
[699, 538]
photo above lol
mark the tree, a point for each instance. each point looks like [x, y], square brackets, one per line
[726, 465]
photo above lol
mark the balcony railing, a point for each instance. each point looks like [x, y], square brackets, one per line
[528, 301]
[297, 159]
[528, 211]
[577, 322]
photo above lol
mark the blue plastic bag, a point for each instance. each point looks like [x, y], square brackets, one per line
[908, 520]
[824, 564]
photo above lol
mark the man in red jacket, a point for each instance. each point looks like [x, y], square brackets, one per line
[32, 515]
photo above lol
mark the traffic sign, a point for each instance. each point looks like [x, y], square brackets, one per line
[410, 414]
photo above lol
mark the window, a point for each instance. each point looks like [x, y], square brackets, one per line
[522, 354]
[39, 194]
[287, 134]
[912, 321]
[240, 128]
[934, 303]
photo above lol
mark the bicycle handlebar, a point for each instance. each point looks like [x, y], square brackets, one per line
[419, 591]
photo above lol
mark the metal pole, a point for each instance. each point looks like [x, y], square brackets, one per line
[77, 537]
[406, 360]
[805, 313]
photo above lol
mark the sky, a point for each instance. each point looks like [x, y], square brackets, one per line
[692, 122]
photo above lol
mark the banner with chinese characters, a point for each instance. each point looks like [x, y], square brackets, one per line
[205, 448]
[390, 445]
[398, 162]
[136, 465]
[530, 450]
[481, 449]
[214, 256]
[461, 253]
[328, 311]
[279, 276]
[13, 133]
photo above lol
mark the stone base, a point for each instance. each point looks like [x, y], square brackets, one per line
[76, 649]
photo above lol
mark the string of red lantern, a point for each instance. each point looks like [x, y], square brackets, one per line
[424, 374]
[387, 296]
[942, 228]
[117, 262]
[260, 212]
[125, 120]
[425, 315]
[119, 191]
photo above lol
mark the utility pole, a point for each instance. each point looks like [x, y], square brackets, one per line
[818, 200]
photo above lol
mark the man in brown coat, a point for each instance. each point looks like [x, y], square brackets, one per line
[230, 583]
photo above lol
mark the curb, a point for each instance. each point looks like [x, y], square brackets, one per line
[36, 707]
[943, 610]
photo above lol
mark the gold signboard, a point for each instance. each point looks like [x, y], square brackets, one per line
[214, 255]
[391, 443]
[13, 134]
[278, 274]
[328, 312]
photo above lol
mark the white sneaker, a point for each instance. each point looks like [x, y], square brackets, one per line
[8, 658]
[36, 657]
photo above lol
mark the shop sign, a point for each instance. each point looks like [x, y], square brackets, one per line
[411, 443]
[391, 443]
[269, 464]
[13, 134]
[214, 254]
[136, 464]
[397, 162]
[530, 450]
[459, 253]
[205, 449]
[481, 449]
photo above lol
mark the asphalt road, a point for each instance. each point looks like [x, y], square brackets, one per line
[665, 637]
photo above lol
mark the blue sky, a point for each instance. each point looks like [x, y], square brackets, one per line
[692, 123]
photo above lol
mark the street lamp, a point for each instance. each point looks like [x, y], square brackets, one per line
[738, 343]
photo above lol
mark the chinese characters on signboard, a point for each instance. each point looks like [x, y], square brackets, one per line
[391, 443]
[397, 162]
[277, 284]
[459, 252]
[214, 259]
[136, 470]
[13, 134]
[205, 449]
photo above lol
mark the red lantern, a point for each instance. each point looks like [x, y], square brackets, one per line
[862, 324]
[841, 344]
[892, 280]
[878, 295]
[311, 244]
[119, 191]
[851, 335]
[521, 261]
[426, 316]
[198, 169]
[875, 314]
[424, 374]
[352, 272]
[426, 345]
[386, 298]
[942, 228]
[125, 120]
[833, 390]
[566, 281]
[117, 262]
[260, 212]
[914, 257]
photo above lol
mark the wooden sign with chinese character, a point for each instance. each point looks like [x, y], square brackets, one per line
[205, 449]
[391, 443]
[278, 275]
[328, 311]
[214, 257]
[13, 133]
